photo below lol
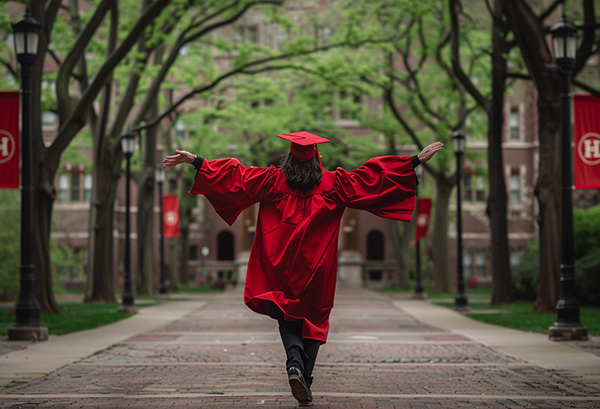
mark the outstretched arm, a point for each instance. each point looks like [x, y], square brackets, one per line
[179, 157]
[430, 150]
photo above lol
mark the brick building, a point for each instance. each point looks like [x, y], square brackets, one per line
[367, 256]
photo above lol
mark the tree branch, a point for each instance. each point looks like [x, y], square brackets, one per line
[544, 14]
[238, 70]
[77, 118]
[586, 88]
[73, 57]
[174, 52]
[456, 65]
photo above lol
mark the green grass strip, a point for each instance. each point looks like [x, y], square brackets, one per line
[72, 316]
[518, 315]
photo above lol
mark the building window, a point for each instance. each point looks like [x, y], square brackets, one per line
[193, 253]
[48, 118]
[349, 105]
[514, 124]
[515, 186]
[245, 34]
[75, 187]
[70, 188]
[467, 264]
[480, 263]
[515, 257]
[63, 188]
[325, 36]
[87, 187]
[180, 129]
[474, 188]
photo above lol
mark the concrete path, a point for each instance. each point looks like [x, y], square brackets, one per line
[382, 352]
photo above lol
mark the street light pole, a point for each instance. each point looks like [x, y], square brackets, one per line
[127, 301]
[461, 301]
[419, 293]
[567, 325]
[27, 310]
[159, 177]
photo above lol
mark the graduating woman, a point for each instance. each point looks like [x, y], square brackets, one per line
[292, 268]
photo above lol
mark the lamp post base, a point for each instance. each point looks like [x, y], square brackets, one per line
[419, 296]
[128, 309]
[26, 333]
[574, 332]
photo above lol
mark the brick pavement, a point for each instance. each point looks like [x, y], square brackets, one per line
[222, 355]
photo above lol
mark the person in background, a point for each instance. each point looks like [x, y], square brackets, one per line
[292, 268]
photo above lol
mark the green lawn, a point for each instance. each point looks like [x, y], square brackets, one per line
[517, 315]
[77, 316]
[72, 316]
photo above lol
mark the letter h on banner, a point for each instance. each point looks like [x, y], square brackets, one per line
[586, 136]
[9, 139]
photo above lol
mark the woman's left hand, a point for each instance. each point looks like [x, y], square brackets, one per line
[179, 157]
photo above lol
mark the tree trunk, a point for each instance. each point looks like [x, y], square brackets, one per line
[530, 35]
[400, 234]
[548, 193]
[146, 239]
[43, 205]
[100, 280]
[186, 204]
[439, 236]
[497, 200]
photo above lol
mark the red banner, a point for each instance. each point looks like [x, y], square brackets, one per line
[423, 212]
[586, 136]
[9, 139]
[171, 215]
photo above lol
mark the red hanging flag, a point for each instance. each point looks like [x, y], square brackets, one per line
[586, 135]
[423, 212]
[9, 139]
[171, 215]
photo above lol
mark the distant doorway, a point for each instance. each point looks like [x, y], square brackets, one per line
[375, 252]
[225, 252]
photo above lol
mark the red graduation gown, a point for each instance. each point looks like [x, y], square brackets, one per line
[293, 261]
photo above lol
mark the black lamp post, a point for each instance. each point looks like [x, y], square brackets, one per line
[127, 302]
[419, 293]
[27, 311]
[159, 177]
[458, 145]
[567, 325]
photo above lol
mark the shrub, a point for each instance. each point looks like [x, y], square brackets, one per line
[586, 223]
[587, 278]
[10, 247]
[525, 279]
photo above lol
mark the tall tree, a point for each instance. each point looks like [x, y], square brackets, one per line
[418, 86]
[493, 105]
[530, 34]
[72, 110]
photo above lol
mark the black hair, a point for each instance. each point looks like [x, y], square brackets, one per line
[301, 176]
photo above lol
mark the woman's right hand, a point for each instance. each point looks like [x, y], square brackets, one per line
[179, 157]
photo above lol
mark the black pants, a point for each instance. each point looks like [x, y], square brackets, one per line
[301, 353]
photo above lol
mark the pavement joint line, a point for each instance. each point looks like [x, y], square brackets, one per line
[380, 342]
[317, 395]
[319, 365]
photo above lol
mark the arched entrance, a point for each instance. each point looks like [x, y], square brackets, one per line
[225, 254]
[375, 252]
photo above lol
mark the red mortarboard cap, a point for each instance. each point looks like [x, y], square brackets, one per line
[304, 144]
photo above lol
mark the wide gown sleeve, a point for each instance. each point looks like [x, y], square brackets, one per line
[384, 186]
[231, 187]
